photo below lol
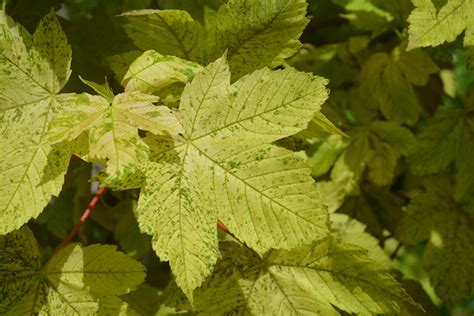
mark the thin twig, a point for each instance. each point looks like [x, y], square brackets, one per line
[395, 252]
[83, 219]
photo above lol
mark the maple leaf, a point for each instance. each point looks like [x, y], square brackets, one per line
[112, 123]
[75, 281]
[435, 216]
[316, 278]
[224, 166]
[448, 137]
[33, 70]
[255, 33]
[387, 80]
[376, 147]
[432, 27]
[152, 72]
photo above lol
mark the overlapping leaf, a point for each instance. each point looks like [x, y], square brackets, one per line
[33, 69]
[313, 279]
[224, 166]
[376, 148]
[387, 80]
[152, 72]
[448, 137]
[112, 129]
[75, 281]
[364, 15]
[256, 33]
[430, 26]
[449, 255]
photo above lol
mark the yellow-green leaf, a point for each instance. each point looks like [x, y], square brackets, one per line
[33, 69]
[225, 166]
[75, 281]
[255, 33]
[313, 279]
[152, 72]
[112, 129]
[432, 27]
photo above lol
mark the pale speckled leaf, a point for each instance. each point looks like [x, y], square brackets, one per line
[432, 27]
[448, 258]
[75, 281]
[152, 72]
[121, 62]
[255, 33]
[113, 129]
[33, 69]
[102, 89]
[314, 279]
[225, 166]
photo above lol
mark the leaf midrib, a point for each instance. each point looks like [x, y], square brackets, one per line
[26, 74]
[32, 159]
[251, 186]
[318, 269]
[438, 22]
[256, 115]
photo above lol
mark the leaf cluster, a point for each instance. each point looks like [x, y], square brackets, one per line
[247, 157]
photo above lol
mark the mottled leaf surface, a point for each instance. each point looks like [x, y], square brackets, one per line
[75, 281]
[432, 27]
[112, 129]
[314, 279]
[224, 166]
[152, 72]
[254, 33]
[33, 69]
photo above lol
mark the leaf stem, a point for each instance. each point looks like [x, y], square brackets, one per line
[83, 218]
[224, 228]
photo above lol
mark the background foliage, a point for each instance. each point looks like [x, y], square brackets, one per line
[190, 129]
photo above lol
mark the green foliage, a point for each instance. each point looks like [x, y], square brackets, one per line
[254, 34]
[247, 157]
[74, 281]
[448, 137]
[33, 70]
[228, 131]
[449, 256]
[432, 26]
[286, 282]
[396, 74]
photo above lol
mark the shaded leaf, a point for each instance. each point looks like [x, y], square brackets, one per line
[448, 137]
[314, 279]
[75, 281]
[449, 256]
[254, 33]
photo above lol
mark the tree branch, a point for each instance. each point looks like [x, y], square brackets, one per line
[83, 218]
